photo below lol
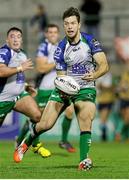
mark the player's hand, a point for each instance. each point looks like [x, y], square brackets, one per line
[31, 90]
[27, 65]
[89, 76]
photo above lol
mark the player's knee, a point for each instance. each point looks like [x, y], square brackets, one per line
[46, 125]
[49, 126]
[37, 116]
[69, 113]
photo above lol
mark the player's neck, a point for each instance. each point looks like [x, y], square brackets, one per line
[75, 40]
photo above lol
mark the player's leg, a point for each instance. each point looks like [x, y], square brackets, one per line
[5, 108]
[25, 104]
[22, 133]
[66, 123]
[37, 146]
[28, 106]
[85, 114]
[48, 119]
[104, 111]
[124, 106]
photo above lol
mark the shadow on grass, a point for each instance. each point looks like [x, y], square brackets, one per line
[60, 154]
[64, 166]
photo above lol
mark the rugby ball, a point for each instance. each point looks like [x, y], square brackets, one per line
[67, 84]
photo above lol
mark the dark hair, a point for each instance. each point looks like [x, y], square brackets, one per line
[71, 12]
[52, 26]
[14, 29]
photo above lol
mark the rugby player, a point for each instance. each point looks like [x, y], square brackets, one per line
[13, 64]
[80, 56]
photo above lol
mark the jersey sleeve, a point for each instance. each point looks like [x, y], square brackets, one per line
[5, 56]
[42, 50]
[59, 57]
[95, 45]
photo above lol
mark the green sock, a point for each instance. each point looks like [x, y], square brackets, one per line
[65, 128]
[32, 135]
[35, 141]
[23, 132]
[85, 142]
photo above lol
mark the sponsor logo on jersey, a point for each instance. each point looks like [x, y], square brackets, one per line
[76, 49]
[80, 69]
[95, 42]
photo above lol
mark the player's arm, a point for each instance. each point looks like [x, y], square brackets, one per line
[100, 59]
[43, 66]
[102, 67]
[102, 64]
[61, 66]
[6, 71]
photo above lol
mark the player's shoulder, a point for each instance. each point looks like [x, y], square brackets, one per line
[93, 43]
[89, 38]
[44, 43]
[62, 43]
[5, 50]
[43, 46]
[60, 49]
[5, 54]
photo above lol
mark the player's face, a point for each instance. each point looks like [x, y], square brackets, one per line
[52, 35]
[71, 27]
[14, 40]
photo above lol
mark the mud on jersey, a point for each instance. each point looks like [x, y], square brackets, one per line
[47, 49]
[11, 87]
[77, 59]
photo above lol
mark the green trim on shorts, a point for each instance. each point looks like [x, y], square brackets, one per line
[43, 97]
[87, 94]
[7, 106]
[23, 94]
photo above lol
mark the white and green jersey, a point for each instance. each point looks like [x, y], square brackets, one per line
[11, 87]
[77, 59]
[47, 49]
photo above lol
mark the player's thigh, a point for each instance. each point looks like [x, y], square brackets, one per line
[104, 114]
[85, 111]
[69, 111]
[29, 107]
[50, 115]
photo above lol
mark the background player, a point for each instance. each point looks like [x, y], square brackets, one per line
[75, 56]
[105, 100]
[13, 64]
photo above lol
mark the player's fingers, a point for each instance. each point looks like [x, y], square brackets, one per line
[86, 77]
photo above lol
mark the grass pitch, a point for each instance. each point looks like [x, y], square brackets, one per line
[111, 160]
